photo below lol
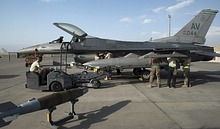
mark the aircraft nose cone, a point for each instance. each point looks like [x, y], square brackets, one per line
[33, 49]
[28, 50]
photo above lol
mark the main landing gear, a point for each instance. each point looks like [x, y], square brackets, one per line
[144, 73]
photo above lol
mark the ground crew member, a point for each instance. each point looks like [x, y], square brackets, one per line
[155, 69]
[172, 72]
[36, 67]
[97, 57]
[110, 55]
[107, 56]
[186, 72]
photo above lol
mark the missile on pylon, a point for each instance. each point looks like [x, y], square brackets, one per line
[9, 111]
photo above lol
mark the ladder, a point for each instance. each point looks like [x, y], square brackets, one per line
[63, 55]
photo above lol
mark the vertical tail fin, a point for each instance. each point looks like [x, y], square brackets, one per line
[195, 31]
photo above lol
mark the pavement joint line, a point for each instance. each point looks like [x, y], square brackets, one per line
[158, 107]
[11, 86]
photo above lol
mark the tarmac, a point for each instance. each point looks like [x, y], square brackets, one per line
[124, 102]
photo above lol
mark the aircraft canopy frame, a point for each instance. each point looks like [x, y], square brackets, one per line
[71, 29]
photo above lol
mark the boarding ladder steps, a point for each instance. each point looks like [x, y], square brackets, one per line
[63, 55]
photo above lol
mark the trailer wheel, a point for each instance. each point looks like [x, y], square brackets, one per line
[95, 83]
[56, 86]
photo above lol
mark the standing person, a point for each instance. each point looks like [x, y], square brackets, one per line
[107, 56]
[110, 55]
[172, 72]
[155, 69]
[97, 57]
[186, 72]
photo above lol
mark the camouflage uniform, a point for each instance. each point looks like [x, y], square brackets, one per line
[155, 68]
[186, 72]
[107, 56]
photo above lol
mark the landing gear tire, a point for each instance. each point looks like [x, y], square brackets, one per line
[146, 75]
[137, 71]
[84, 72]
[56, 86]
[95, 84]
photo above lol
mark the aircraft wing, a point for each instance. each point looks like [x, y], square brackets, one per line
[131, 60]
[213, 54]
[153, 55]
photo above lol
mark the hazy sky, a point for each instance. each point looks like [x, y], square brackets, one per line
[25, 23]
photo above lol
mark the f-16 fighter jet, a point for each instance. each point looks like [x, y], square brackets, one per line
[188, 42]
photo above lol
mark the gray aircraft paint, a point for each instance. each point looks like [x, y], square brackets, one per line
[195, 31]
[188, 41]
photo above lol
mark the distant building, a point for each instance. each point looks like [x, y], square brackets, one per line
[217, 50]
[3, 52]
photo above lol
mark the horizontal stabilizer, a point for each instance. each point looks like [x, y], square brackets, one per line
[3, 108]
[153, 55]
[212, 54]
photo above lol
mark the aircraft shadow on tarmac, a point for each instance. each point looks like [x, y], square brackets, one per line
[196, 78]
[7, 76]
[203, 77]
[125, 78]
[97, 116]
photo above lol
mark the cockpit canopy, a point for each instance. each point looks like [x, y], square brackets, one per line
[71, 29]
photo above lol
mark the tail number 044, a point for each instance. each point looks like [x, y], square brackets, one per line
[189, 33]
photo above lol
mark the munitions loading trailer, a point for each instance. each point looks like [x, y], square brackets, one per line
[58, 80]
